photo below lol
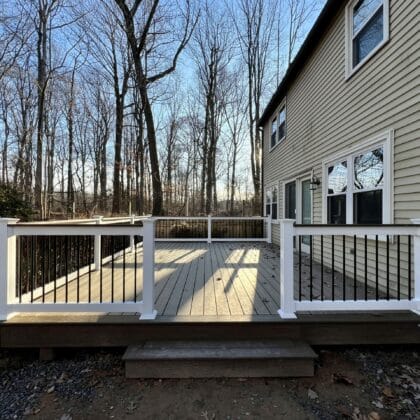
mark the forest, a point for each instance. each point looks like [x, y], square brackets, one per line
[140, 106]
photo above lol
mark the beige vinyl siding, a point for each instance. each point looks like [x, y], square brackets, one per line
[327, 114]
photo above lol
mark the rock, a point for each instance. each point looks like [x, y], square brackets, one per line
[312, 394]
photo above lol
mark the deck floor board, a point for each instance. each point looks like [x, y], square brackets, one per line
[201, 280]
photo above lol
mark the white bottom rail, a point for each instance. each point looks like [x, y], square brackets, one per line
[134, 307]
[351, 306]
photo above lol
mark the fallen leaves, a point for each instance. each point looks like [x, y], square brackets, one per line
[339, 378]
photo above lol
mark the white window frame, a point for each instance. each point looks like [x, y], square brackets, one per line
[276, 117]
[350, 70]
[384, 140]
[269, 191]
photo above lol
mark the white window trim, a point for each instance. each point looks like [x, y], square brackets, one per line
[385, 140]
[276, 117]
[350, 70]
[267, 189]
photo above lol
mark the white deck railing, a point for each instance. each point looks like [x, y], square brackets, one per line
[289, 305]
[231, 232]
[10, 229]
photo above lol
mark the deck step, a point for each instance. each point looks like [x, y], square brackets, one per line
[213, 359]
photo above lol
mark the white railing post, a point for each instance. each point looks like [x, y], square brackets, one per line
[268, 219]
[416, 261]
[149, 311]
[132, 243]
[287, 300]
[7, 267]
[209, 229]
[97, 246]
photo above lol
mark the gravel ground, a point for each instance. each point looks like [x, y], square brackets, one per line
[356, 383]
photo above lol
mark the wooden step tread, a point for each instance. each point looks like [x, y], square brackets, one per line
[210, 350]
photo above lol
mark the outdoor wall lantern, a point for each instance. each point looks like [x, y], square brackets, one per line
[315, 182]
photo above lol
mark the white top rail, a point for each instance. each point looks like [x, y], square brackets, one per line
[380, 230]
[74, 230]
[206, 217]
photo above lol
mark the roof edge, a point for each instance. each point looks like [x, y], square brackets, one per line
[312, 40]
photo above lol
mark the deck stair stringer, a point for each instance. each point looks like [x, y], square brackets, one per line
[211, 359]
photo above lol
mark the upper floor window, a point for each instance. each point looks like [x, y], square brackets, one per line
[278, 127]
[367, 30]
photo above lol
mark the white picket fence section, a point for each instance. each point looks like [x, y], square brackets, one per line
[289, 306]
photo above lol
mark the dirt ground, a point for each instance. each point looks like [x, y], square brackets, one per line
[356, 383]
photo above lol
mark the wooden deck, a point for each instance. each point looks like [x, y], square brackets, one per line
[192, 280]
[222, 280]
[203, 292]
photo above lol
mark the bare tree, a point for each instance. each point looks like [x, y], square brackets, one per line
[139, 20]
[254, 22]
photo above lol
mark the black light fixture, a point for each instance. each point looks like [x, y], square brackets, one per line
[314, 183]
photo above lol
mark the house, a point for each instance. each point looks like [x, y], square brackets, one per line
[342, 130]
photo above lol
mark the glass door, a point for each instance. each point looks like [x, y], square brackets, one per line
[290, 200]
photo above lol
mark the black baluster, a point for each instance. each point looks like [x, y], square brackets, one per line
[66, 267]
[399, 266]
[355, 268]
[78, 267]
[300, 267]
[55, 267]
[124, 274]
[376, 268]
[42, 264]
[90, 267]
[366, 270]
[344, 267]
[409, 267]
[332, 268]
[135, 275]
[112, 269]
[310, 267]
[322, 267]
[387, 267]
[33, 267]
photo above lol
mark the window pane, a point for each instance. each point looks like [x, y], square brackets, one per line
[267, 209]
[362, 12]
[282, 116]
[369, 170]
[367, 207]
[282, 130]
[273, 132]
[290, 205]
[274, 195]
[368, 38]
[274, 211]
[337, 178]
[337, 209]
